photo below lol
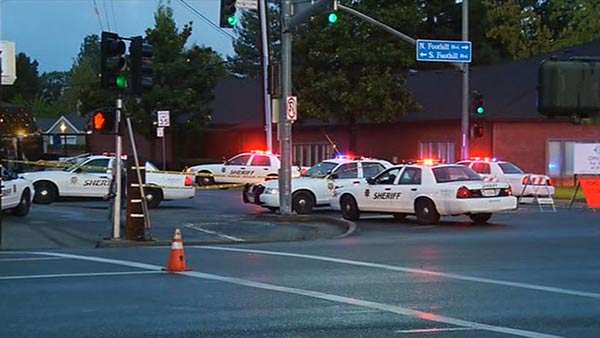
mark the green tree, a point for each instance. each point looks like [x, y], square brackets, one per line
[27, 83]
[248, 46]
[184, 79]
[351, 71]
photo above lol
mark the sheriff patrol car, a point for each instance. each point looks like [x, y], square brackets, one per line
[427, 192]
[251, 167]
[91, 177]
[17, 193]
[522, 184]
[314, 188]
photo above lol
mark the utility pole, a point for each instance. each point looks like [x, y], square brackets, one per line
[465, 86]
[263, 15]
[117, 174]
[285, 126]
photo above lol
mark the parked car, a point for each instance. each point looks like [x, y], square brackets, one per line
[522, 184]
[251, 167]
[427, 192]
[314, 188]
[17, 193]
[91, 177]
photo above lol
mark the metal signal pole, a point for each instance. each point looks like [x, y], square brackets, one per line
[117, 174]
[285, 126]
[465, 86]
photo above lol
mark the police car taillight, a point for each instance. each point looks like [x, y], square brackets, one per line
[549, 182]
[188, 181]
[464, 192]
[525, 180]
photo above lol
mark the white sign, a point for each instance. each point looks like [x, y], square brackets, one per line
[586, 158]
[160, 132]
[9, 68]
[292, 108]
[247, 4]
[163, 118]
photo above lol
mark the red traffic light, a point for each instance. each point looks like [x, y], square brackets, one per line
[103, 121]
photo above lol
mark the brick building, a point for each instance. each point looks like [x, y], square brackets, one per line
[513, 130]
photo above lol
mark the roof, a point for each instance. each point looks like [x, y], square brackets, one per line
[510, 90]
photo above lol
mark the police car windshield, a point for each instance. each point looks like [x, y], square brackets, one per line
[455, 174]
[320, 169]
[509, 168]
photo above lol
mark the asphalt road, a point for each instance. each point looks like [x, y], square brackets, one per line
[528, 274]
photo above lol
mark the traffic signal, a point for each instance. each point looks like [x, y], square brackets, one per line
[112, 62]
[140, 59]
[333, 17]
[103, 121]
[478, 104]
[228, 18]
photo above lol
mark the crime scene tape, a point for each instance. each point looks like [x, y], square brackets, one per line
[45, 164]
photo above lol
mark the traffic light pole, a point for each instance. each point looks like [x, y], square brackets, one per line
[465, 86]
[263, 15]
[285, 126]
[117, 174]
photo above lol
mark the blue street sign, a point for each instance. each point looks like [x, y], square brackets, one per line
[444, 51]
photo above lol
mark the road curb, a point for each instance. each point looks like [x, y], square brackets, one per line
[346, 229]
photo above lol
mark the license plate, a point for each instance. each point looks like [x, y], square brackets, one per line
[489, 192]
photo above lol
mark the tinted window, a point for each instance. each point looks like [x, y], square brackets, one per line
[239, 160]
[347, 170]
[95, 166]
[481, 167]
[261, 161]
[454, 174]
[410, 176]
[509, 168]
[371, 169]
[388, 176]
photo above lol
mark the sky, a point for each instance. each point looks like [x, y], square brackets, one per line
[52, 31]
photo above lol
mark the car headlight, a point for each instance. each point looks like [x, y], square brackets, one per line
[271, 191]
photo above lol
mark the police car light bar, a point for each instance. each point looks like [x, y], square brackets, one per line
[261, 152]
[429, 161]
[485, 159]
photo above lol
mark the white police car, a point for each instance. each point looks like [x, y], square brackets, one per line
[522, 184]
[427, 192]
[251, 167]
[17, 193]
[315, 186]
[91, 177]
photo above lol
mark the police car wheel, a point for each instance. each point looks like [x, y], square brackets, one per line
[153, 198]
[303, 202]
[23, 208]
[480, 218]
[45, 193]
[399, 216]
[205, 180]
[426, 212]
[349, 208]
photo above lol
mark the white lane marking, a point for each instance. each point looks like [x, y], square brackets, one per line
[427, 316]
[412, 270]
[29, 259]
[436, 330]
[91, 274]
[214, 233]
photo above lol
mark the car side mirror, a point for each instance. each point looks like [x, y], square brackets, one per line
[370, 180]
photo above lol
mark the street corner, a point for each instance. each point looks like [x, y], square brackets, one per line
[323, 226]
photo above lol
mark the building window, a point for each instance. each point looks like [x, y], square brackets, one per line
[437, 150]
[561, 156]
[311, 154]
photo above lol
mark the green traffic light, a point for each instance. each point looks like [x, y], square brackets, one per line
[480, 110]
[333, 18]
[232, 20]
[121, 82]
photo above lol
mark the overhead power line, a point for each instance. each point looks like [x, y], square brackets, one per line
[98, 15]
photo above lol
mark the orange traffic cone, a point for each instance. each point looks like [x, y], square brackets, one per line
[177, 258]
